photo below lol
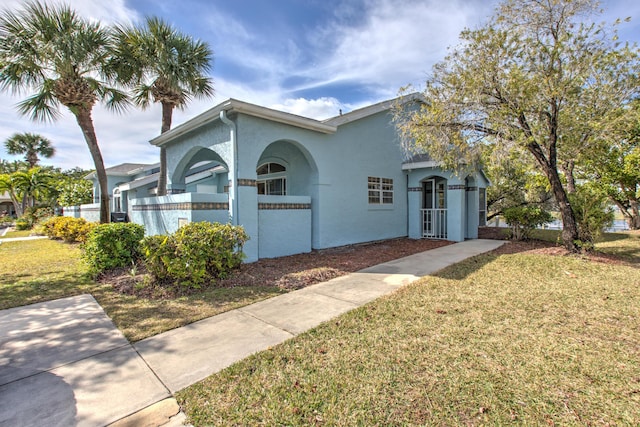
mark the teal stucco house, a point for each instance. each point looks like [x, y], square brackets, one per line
[297, 184]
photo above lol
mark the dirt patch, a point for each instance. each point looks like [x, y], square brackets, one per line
[290, 272]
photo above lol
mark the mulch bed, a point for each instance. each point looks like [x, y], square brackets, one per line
[298, 271]
[290, 272]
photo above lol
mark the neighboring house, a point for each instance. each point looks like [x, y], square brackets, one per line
[297, 184]
[125, 182]
[6, 206]
[129, 181]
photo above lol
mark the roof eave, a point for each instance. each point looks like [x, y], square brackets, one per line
[233, 105]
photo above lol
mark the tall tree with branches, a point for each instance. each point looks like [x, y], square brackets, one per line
[164, 66]
[31, 145]
[59, 58]
[537, 77]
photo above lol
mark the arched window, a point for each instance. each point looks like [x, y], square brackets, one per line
[117, 200]
[272, 179]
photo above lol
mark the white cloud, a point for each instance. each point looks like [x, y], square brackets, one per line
[397, 43]
[321, 108]
[105, 11]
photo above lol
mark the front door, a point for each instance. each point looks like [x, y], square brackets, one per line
[434, 212]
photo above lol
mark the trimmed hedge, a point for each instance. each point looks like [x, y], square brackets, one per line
[112, 245]
[196, 253]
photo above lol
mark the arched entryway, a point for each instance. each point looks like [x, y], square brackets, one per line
[434, 208]
[286, 178]
[201, 170]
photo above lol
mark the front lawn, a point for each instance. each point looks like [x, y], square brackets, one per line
[505, 338]
[41, 270]
[13, 234]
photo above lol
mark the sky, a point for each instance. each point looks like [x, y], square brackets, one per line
[308, 57]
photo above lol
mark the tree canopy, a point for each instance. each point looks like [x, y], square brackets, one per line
[165, 66]
[539, 77]
[31, 145]
[59, 59]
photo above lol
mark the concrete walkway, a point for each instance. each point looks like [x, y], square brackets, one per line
[19, 239]
[64, 363]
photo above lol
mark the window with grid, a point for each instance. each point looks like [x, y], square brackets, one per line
[482, 206]
[272, 179]
[380, 191]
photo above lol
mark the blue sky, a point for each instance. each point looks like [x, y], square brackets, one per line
[308, 57]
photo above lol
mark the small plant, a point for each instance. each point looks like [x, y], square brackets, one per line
[112, 245]
[194, 254]
[593, 214]
[524, 219]
[32, 216]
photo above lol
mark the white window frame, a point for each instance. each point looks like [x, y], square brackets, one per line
[482, 206]
[380, 190]
[266, 182]
[117, 200]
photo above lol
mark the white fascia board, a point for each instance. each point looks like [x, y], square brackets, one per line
[420, 165]
[282, 117]
[138, 182]
[370, 110]
[233, 105]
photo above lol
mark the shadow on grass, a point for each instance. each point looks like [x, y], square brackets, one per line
[463, 269]
[139, 318]
[23, 289]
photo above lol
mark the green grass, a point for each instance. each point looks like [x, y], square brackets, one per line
[41, 270]
[519, 339]
[12, 234]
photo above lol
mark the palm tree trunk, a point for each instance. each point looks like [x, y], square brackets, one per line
[167, 115]
[83, 117]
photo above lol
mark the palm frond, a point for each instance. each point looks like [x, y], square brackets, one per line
[42, 107]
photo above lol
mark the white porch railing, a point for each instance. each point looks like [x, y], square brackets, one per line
[434, 223]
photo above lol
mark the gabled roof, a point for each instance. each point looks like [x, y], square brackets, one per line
[327, 126]
[126, 169]
[233, 105]
[370, 110]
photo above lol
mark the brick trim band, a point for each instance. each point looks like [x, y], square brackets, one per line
[242, 182]
[283, 206]
[187, 206]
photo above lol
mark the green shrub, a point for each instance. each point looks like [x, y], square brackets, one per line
[592, 213]
[524, 219]
[22, 224]
[66, 228]
[32, 216]
[112, 245]
[196, 253]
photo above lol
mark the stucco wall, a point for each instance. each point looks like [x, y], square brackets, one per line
[338, 169]
[164, 215]
[284, 225]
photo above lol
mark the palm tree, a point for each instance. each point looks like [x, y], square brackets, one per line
[30, 145]
[8, 185]
[34, 184]
[163, 65]
[59, 58]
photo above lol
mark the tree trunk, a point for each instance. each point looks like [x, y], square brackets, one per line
[633, 220]
[569, 225]
[167, 115]
[83, 117]
[16, 204]
[567, 169]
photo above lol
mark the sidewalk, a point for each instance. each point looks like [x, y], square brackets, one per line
[64, 363]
